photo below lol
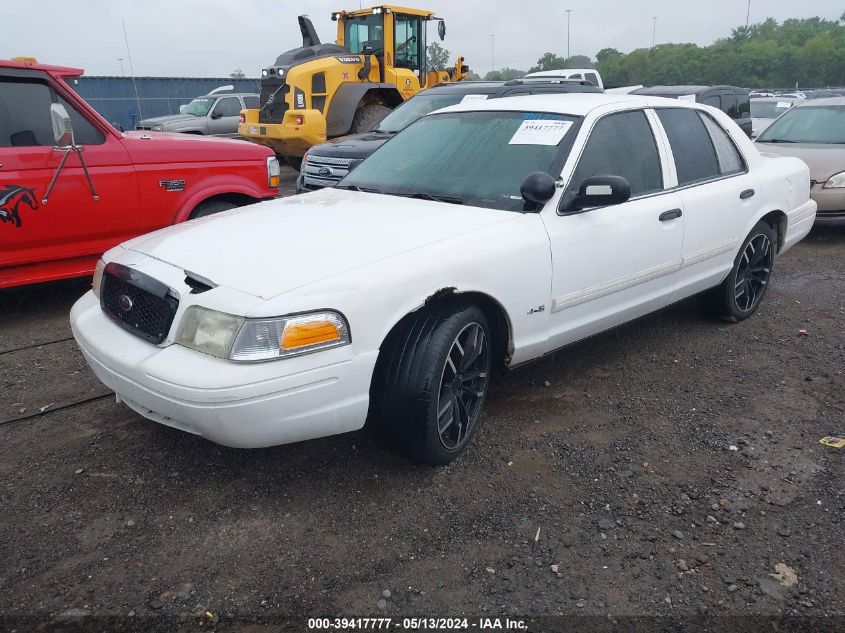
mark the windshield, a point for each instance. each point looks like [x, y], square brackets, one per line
[477, 158]
[199, 107]
[769, 109]
[363, 31]
[415, 108]
[808, 124]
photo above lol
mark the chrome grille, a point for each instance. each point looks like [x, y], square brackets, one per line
[325, 171]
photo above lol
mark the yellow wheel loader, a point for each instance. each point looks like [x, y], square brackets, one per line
[320, 91]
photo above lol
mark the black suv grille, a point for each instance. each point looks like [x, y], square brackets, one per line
[137, 302]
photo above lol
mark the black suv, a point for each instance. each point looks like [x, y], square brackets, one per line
[324, 165]
[733, 101]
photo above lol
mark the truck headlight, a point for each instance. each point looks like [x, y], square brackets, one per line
[97, 281]
[239, 339]
[836, 181]
[273, 172]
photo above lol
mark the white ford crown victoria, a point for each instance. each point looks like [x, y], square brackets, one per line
[484, 235]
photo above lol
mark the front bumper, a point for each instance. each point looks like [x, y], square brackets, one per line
[288, 138]
[243, 405]
[831, 204]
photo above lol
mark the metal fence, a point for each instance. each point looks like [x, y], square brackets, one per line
[114, 97]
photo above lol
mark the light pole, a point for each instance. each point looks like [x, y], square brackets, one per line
[653, 31]
[122, 74]
[568, 15]
[492, 52]
[747, 13]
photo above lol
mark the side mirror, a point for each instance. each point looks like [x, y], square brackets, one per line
[598, 191]
[538, 188]
[62, 126]
[118, 127]
[441, 29]
[216, 115]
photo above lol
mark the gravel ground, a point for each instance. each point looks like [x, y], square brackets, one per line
[669, 468]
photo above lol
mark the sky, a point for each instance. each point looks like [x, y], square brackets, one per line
[211, 38]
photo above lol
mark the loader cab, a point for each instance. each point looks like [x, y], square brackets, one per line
[397, 37]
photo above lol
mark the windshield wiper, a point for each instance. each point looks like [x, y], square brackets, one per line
[421, 195]
[778, 140]
[357, 188]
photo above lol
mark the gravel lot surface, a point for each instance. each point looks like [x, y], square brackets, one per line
[671, 467]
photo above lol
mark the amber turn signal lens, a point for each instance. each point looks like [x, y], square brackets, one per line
[273, 181]
[304, 334]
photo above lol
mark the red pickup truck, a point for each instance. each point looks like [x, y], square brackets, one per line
[72, 185]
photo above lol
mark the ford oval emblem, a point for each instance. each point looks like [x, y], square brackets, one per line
[125, 303]
[325, 171]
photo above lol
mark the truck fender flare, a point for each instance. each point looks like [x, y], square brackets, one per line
[345, 102]
[209, 190]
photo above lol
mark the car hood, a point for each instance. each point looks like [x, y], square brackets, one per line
[353, 146]
[823, 160]
[277, 246]
[171, 148]
[170, 118]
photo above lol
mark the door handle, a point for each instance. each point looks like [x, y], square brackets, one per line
[746, 194]
[670, 215]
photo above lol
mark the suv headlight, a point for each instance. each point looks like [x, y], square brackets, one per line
[157, 128]
[246, 340]
[273, 172]
[836, 181]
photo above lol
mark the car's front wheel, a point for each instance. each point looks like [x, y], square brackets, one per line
[435, 381]
[740, 294]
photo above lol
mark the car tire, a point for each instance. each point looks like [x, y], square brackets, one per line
[210, 207]
[434, 382]
[740, 294]
[368, 117]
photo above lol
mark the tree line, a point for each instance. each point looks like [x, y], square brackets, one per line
[804, 52]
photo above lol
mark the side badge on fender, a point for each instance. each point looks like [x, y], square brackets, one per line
[537, 309]
[172, 185]
[11, 199]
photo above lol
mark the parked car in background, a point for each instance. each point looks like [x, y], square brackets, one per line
[731, 100]
[487, 234]
[814, 131]
[324, 165]
[215, 114]
[589, 74]
[72, 186]
[765, 110]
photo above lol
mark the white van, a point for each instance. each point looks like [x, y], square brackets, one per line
[590, 74]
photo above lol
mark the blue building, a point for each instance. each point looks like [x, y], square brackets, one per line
[114, 97]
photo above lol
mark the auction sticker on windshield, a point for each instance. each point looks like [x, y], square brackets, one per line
[540, 132]
[474, 98]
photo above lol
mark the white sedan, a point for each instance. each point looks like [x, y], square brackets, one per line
[485, 235]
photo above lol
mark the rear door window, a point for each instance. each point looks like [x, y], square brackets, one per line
[711, 100]
[729, 105]
[695, 157]
[592, 77]
[251, 103]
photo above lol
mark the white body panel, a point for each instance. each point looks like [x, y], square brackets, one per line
[375, 259]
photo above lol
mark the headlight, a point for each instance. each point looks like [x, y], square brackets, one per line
[98, 278]
[273, 172]
[239, 339]
[158, 128]
[836, 181]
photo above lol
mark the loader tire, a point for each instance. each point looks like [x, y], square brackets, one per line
[368, 117]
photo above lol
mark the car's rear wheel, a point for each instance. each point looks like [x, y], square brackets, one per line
[435, 381]
[740, 294]
[210, 207]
